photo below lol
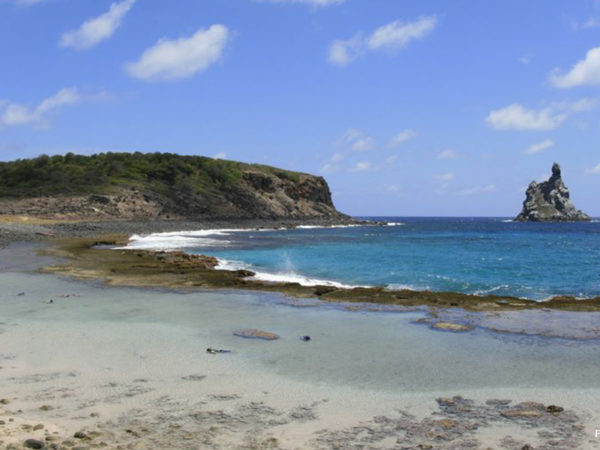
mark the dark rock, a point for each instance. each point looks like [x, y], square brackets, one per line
[34, 443]
[553, 409]
[549, 202]
[80, 435]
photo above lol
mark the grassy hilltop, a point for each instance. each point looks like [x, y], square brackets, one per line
[169, 184]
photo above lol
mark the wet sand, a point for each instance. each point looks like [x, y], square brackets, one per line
[128, 367]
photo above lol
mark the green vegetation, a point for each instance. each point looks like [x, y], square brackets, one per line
[165, 173]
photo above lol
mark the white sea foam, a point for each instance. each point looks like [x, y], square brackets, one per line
[492, 289]
[401, 287]
[395, 224]
[507, 220]
[181, 239]
[280, 277]
[313, 227]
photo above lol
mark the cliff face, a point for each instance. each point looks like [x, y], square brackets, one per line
[549, 202]
[138, 186]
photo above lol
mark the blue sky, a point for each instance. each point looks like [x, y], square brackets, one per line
[406, 107]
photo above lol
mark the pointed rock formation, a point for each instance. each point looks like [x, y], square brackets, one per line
[549, 202]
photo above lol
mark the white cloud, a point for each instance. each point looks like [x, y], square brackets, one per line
[525, 59]
[342, 53]
[591, 22]
[582, 105]
[516, 117]
[357, 140]
[15, 114]
[398, 34]
[361, 167]
[392, 37]
[336, 157]
[402, 137]
[220, 155]
[391, 159]
[363, 144]
[539, 147]
[448, 154]
[445, 177]
[181, 58]
[332, 164]
[584, 72]
[95, 30]
[327, 168]
[593, 171]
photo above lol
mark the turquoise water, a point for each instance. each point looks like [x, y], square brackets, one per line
[472, 255]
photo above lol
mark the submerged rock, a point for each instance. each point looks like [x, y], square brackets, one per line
[456, 327]
[251, 333]
[549, 202]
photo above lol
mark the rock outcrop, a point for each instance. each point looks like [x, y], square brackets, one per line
[549, 202]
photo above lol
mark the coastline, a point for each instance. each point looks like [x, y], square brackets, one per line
[132, 371]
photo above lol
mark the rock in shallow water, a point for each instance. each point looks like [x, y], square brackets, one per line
[456, 327]
[251, 333]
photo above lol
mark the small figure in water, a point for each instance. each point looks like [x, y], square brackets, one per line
[305, 338]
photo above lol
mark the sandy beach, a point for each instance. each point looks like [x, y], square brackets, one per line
[84, 365]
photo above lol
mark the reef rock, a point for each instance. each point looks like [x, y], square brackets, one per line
[549, 202]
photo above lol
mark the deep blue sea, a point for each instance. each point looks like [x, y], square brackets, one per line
[471, 255]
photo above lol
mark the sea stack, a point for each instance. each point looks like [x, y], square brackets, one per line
[549, 202]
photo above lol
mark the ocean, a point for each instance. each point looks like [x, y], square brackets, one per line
[470, 255]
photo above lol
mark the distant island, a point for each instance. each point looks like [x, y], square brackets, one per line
[159, 186]
[549, 202]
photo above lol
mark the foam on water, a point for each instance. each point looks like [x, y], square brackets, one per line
[282, 277]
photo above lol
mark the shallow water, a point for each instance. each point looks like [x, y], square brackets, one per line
[471, 255]
[365, 350]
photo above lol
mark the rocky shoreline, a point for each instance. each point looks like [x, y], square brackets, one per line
[27, 228]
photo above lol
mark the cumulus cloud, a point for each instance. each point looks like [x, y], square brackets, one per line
[593, 171]
[517, 117]
[392, 37]
[356, 140]
[584, 72]
[15, 114]
[591, 22]
[95, 30]
[448, 154]
[402, 137]
[332, 164]
[539, 147]
[181, 58]
[398, 34]
[361, 166]
[342, 53]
